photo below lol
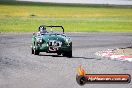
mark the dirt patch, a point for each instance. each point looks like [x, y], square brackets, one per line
[123, 51]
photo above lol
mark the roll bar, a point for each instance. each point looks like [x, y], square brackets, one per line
[57, 26]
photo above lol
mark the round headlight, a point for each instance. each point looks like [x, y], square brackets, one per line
[68, 40]
[39, 40]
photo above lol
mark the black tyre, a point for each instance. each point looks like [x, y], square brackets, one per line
[58, 53]
[36, 52]
[67, 54]
[64, 54]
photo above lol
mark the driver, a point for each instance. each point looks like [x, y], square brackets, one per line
[42, 30]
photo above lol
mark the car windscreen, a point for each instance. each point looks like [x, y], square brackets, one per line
[54, 30]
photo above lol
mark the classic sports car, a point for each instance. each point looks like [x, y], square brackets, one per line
[51, 42]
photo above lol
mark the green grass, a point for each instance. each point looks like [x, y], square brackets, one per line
[19, 17]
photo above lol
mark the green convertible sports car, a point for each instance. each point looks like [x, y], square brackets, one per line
[51, 42]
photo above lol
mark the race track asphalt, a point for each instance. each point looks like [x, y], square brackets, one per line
[20, 69]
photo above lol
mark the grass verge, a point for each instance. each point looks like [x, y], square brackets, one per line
[19, 17]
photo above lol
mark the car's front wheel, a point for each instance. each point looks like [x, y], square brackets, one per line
[68, 54]
[36, 52]
[58, 53]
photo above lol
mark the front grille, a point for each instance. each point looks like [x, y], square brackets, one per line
[54, 43]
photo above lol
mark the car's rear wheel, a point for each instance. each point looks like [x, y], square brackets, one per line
[36, 52]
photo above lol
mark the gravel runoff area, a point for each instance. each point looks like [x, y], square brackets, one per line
[20, 69]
